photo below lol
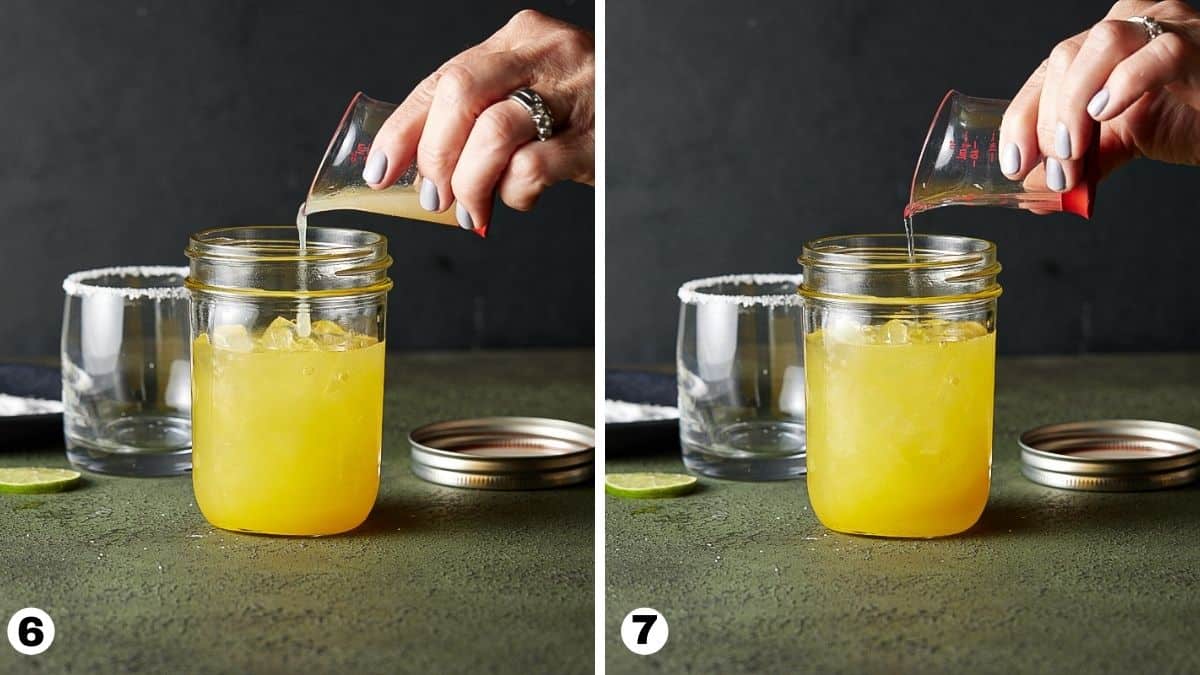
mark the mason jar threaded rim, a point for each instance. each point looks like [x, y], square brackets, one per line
[877, 269]
[265, 260]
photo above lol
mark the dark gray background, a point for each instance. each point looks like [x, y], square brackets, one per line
[129, 125]
[738, 131]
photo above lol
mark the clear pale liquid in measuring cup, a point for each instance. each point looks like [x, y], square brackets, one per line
[398, 202]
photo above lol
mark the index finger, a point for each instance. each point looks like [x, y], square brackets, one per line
[400, 134]
[397, 138]
[1018, 129]
[1020, 148]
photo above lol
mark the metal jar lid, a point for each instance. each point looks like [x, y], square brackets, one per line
[503, 453]
[1111, 455]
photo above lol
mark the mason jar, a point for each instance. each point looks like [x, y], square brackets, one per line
[287, 377]
[900, 356]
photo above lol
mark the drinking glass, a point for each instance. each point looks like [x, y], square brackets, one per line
[741, 377]
[126, 371]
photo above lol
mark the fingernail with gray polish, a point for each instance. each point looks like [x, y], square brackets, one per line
[1055, 178]
[1098, 103]
[1062, 141]
[375, 168]
[429, 195]
[464, 218]
[1010, 159]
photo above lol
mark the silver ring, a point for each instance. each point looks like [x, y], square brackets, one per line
[1152, 27]
[538, 111]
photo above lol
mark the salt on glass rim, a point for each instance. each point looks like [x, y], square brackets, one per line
[691, 293]
[77, 284]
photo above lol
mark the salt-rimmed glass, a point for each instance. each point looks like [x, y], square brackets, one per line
[740, 370]
[126, 371]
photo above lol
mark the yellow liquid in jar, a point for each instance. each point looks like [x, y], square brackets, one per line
[286, 430]
[900, 426]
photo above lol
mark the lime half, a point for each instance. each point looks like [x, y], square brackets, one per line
[35, 479]
[648, 485]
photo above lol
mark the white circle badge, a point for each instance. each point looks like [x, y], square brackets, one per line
[644, 631]
[31, 631]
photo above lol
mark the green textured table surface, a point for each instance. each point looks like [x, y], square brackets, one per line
[437, 580]
[1049, 580]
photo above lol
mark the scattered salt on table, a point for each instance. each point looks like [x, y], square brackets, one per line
[624, 411]
[11, 406]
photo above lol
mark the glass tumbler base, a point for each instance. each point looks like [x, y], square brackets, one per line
[127, 460]
[751, 451]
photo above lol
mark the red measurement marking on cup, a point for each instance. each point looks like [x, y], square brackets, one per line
[968, 150]
[992, 148]
[359, 153]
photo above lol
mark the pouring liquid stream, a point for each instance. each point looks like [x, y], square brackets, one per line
[303, 317]
[909, 212]
[908, 237]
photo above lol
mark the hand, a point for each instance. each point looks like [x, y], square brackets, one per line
[1144, 93]
[470, 141]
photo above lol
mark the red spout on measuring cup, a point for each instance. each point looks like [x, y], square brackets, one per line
[1079, 199]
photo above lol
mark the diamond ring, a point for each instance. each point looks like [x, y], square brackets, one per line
[1153, 28]
[538, 111]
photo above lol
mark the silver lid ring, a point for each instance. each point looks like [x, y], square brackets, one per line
[503, 453]
[1111, 455]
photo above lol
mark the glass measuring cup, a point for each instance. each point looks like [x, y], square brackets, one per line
[338, 183]
[960, 165]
